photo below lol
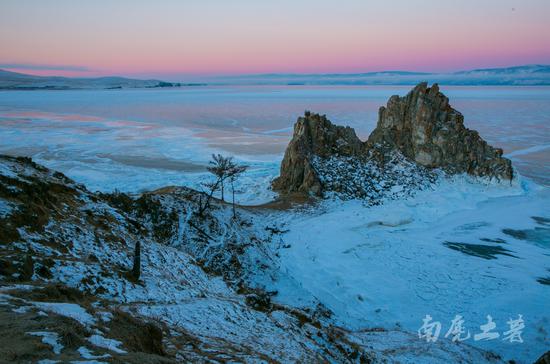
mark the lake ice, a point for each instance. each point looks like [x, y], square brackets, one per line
[439, 253]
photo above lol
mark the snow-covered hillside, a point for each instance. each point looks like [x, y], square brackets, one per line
[203, 294]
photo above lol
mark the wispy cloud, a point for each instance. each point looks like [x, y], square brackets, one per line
[44, 67]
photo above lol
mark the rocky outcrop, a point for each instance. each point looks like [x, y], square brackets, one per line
[314, 135]
[426, 129]
[544, 359]
[420, 131]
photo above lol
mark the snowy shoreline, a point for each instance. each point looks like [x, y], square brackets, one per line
[388, 266]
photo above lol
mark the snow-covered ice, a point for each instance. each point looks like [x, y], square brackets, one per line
[391, 265]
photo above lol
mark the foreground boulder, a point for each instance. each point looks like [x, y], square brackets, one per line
[415, 134]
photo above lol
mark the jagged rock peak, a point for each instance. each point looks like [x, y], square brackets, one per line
[420, 127]
[314, 135]
[426, 129]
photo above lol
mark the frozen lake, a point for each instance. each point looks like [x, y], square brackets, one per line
[134, 140]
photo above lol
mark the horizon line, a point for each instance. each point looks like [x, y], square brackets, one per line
[27, 69]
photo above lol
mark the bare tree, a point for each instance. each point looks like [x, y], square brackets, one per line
[234, 173]
[223, 168]
[136, 269]
[27, 270]
[212, 188]
[219, 167]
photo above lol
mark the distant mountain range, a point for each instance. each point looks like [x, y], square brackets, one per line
[528, 75]
[518, 75]
[535, 69]
[20, 81]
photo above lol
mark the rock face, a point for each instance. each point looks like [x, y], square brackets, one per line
[314, 135]
[420, 128]
[426, 129]
[544, 359]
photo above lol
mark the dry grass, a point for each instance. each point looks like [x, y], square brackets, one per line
[143, 340]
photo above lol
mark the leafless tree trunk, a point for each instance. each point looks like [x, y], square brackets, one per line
[224, 168]
[136, 269]
[27, 270]
[213, 188]
[233, 191]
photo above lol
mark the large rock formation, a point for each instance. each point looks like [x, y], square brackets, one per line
[314, 135]
[418, 132]
[426, 129]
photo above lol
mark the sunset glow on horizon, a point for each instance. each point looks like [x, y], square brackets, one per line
[178, 39]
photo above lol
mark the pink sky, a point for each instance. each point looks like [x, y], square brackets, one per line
[174, 39]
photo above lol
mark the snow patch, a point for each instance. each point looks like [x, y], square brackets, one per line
[22, 309]
[87, 354]
[6, 171]
[6, 208]
[106, 343]
[26, 287]
[50, 338]
[368, 179]
[70, 310]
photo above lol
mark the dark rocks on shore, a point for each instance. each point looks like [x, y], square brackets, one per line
[421, 127]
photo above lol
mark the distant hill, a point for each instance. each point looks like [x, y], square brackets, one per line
[517, 75]
[537, 69]
[528, 75]
[20, 81]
